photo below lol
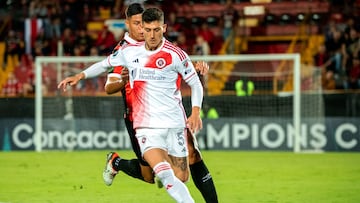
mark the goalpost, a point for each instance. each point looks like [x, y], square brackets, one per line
[272, 90]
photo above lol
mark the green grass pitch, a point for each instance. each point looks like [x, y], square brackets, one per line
[240, 176]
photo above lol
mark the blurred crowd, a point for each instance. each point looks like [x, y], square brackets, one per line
[46, 22]
[66, 21]
[339, 55]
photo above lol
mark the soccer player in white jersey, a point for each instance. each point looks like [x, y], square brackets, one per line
[137, 167]
[160, 121]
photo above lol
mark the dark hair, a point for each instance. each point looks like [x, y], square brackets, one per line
[134, 9]
[152, 14]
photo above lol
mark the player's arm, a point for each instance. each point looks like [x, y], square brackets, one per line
[115, 59]
[194, 122]
[116, 82]
[188, 72]
[94, 70]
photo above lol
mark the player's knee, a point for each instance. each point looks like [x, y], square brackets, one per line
[183, 176]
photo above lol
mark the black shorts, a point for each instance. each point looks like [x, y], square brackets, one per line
[134, 142]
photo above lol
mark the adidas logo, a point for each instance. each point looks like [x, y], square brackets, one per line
[136, 61]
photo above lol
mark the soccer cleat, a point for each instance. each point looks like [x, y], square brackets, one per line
[109, 172]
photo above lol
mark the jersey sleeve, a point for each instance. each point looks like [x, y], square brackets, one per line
[185, 67]
[116, 58]
[187, 70]
[96, 69]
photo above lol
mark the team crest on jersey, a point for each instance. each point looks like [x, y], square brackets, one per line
[160, 63]
[143, 140]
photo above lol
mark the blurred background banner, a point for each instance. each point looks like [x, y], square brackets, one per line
[336, 134]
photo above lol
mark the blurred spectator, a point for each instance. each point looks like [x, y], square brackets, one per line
[54, 22]
[84, 41]
[336, 46]
[105, 41]
[206, 33]
[173, 28]
[118, 10]
[42, 45]
[322, 58]
[354, 75]
[12, 87]
[68, 41]
[352, 43]
[86, 15]
[29, 84]
[69, 16]
[229, 19]
[349, 24]
[208, 112]
[323, 61]
[201, 46]
[181, 42]
[37, 9]
[13, 48]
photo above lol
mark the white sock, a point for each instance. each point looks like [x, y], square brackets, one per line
[174, 187]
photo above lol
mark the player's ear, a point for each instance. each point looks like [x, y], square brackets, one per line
[164, 28]
[127, 23]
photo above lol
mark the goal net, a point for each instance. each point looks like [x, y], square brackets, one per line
[263, 102]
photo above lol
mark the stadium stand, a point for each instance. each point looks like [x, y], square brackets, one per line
[277, 29]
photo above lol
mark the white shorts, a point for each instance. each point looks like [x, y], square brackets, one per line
[171, 140]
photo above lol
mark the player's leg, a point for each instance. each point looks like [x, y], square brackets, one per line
[136, 168]
[199, 172]
[143, 170]
[179, 160]
[153, 144]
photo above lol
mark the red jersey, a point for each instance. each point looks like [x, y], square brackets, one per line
[116, 72]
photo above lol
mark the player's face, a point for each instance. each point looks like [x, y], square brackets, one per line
[153, 34]
[134, 26]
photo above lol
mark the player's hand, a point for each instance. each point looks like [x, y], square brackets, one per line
[194, 122]
[202, 67]
[125, 75]
[72, 80]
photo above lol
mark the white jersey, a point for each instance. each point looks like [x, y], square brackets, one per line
[155, 77]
